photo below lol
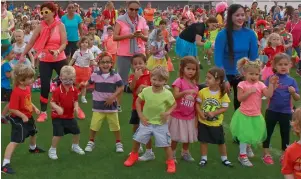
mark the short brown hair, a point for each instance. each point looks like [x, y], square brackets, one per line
[211, 19]
[22, 72]
[139, 55]
[84, 38]
[51, 6]
[296, 122]
[279, 57]
[219, 74]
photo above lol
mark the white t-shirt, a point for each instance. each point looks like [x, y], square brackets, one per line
[160, 47]
[27, 37]
[105, 32]
[95, 50]
[82, 59]
[19, 49]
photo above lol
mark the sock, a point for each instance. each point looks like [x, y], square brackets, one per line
[118, 141]
[224, 158]
[242, 149]
[149, 151]
[32, 147]
[6, 161]
[204, 157]
[92, 140]
[83, 96]
[75, 145]
[185, 151]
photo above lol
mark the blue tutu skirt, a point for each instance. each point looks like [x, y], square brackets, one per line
[185, 48]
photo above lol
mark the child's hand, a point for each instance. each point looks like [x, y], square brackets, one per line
[274, 80]
[202, 114]
[292, 90]
[164, 117]
[138, 73]
[110, 101]
[25, 118]
[191, 92]
[210, 114]
[144, 121]
[84, 83]
[59, 110]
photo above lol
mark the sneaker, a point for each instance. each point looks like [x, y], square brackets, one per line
[250, 152]
[187, 157]
[147, 156]
[203, 163]
[119, 109]
[171, 166]
[78, 150]
[119, 147]
[245, 161]
[52, 154]
[4, 120]
[42, 117]
[81, 114]
[209, 62]
[131, 160]
[227, 163]
[7, 169]
[264, 98]
[36, 150]
[267, 159]
[84, 100]
[167, 87]
[90, 146]
[205, 58]
[140, 149]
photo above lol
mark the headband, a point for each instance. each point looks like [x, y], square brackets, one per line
[5, 53]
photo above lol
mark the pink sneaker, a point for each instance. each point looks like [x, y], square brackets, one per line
[42, 117]
[267, 159]
[81, 114]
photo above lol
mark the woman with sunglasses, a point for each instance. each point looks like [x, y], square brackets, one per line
[7, 23]
[131, 31]
[49, 41]
[74, 24]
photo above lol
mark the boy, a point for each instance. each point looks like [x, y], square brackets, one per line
[109, 45]
[159, 103]
[291, 165]
[64, 103]
[92, 31]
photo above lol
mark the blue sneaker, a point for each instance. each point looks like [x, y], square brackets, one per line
[7, 169]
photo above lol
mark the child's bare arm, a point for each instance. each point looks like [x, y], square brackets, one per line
[290, 176]
[71, 62]
[57, 108]
[19, 114]
[243, 95]
[139, 111]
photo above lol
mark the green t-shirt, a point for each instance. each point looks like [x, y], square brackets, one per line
[156, 104]
[5, 25]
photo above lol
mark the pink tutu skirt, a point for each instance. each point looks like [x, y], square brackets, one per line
[266, 72]
[183, 131]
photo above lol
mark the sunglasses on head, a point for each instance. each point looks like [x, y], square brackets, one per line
[132, 9]
[45, 12]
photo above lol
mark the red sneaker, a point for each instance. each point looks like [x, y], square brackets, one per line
[171, 166]
[81, 114]
[42, 117]
[132, 159]
[267, 159]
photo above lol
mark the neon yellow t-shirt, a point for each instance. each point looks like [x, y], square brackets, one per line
[211, 101]
[219, 19]
[156, 104]
[97, 41]
[5, 25]
[213, 35]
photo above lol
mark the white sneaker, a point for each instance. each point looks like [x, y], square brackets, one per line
[167, 87]
[245, 161]
[140, 149]
[90, 146]
[264, 98]
[147, 156]
[52, 154]
[119, 147]
[250, 152]
[84, 100]
[78, 150]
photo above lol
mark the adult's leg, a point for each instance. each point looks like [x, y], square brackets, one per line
[45, 76]
[123, 68]
[234, 80]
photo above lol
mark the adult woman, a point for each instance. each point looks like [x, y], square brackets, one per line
[294, 27]
[149, 15]
[73, 24]
[109, 13]
[49, 40]
[131, 32]
[233, 43]
[188, 14]
[7, 23]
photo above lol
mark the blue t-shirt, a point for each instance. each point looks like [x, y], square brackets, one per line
[140, 11]
[5, 82]
[281, 100]
[244, 45]
[72, 27]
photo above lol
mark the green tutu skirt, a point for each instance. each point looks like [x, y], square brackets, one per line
[248, 129]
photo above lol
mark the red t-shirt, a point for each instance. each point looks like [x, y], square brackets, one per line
[21, 100]
[271, 52]
[64, 99]
[143, 80]
[292, 161]
[109, 15]
[295, 30]
[259, 35]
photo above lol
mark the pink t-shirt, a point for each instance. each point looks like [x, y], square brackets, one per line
[174, 29]
[186, 105]
[252, 105]
[124, 45]
[110, 45]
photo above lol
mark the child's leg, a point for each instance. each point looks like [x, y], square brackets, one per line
[92, 135]
[32, 142]
[169, 153]
[117, 136]
[243, 149]
[83, 91]
[185, 147]
[223, 151]
[149, 145]
[174, 145]
[271, 121]
[135, 127]
[55, 141]
[284, 123]
[75, 139]
[204, 151]
[9, 152]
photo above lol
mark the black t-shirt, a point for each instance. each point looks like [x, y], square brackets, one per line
[191, 31]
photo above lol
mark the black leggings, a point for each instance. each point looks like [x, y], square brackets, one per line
[271, 119]
[71, 48]
[46, 69]
[234, 80]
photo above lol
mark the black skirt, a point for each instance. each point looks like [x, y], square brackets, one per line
[211, 134]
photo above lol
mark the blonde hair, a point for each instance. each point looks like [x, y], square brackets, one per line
[272, 35]
[160, 72]
[22, 72]
[18, 30]
[68, 71]
[296, 121]
[244, 63]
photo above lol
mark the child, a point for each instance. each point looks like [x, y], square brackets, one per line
[82, 58]
[157, 50]
[292, 156]
[211, 36]
[263, 44]
[105, 28]
[247, 124]
[27, 32]
[92, 31]
[159, 103]
[64, 103]
[139, 80]
[157, 19]
[7, 55]
[280, 105]
[166, 35]
[213, 101]
[175, 27]
[182, 123]
[110, 45]
[21, 108]
[108, 85]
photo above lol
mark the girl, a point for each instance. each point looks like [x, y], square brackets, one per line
[110, 45]
[263, 44]
[211, 36]
[175, 28]
[83, 58]
[157, 50]
[18, 48]
[104, 101]
[213, 102]
[27, 32]
[247, 124]
[280, 105]
[182, 123]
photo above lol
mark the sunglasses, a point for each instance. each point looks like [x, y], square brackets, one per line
[132, 9]
[105, 62]
[45, 12]
[67, 81]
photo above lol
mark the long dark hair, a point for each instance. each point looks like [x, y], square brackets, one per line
[219, 74]
[229, 28]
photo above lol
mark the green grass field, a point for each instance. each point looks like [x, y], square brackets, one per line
[104, 163]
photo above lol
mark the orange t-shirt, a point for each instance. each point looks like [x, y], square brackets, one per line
[165, 35]
[292, 161]
[149, 14]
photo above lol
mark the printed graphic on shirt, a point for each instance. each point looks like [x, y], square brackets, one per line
[297, 167]
[188, 100]
[27, 103]
[211, 105]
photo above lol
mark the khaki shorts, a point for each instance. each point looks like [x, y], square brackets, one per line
[99, 117]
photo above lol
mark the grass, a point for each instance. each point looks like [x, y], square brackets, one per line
[103, 162]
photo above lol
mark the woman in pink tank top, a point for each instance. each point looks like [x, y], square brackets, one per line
[49, 40]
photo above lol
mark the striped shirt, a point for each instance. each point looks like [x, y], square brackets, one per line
[104, 88]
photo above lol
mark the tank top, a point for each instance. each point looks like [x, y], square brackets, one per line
[18, 50]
